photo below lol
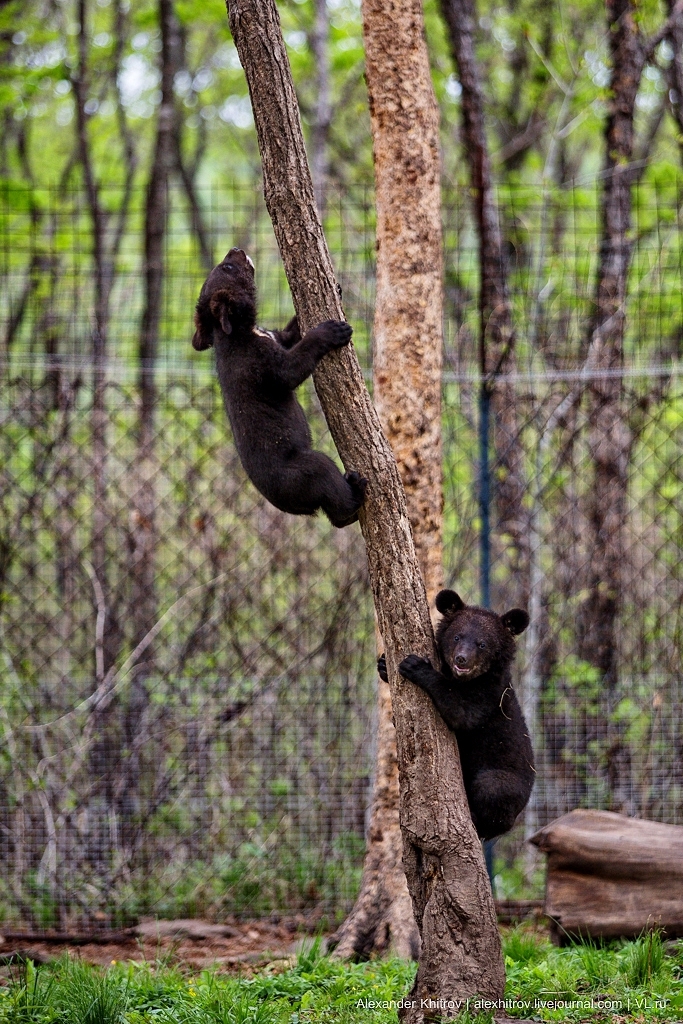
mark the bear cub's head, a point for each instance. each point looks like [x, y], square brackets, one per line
[474, 641]
[227, 300]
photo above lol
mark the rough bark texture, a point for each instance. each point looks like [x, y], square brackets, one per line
[382, 919]
[407, 364]
[611, 876]
[447, 880]
[496, 332]
[407, 356]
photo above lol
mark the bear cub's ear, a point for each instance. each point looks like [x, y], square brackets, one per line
[515, 620]
[448, 602]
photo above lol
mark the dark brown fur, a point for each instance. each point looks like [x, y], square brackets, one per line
[474, 696]
[258, 372]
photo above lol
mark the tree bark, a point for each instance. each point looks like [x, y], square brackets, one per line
[407, 395]
[496, 332]
[611, 876]
[451, 895]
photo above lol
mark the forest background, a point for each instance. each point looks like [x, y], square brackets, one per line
[224, 765]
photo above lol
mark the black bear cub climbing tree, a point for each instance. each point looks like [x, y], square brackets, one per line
[474, 696]
[259, 371]
[451, 894]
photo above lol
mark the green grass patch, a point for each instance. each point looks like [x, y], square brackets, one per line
[637, 981]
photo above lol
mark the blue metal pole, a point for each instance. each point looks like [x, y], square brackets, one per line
[484, 497]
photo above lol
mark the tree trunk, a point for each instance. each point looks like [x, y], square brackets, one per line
[407, 395]
[319, 42]
[496, 333]
[447, 880]
[609, 436]
[144, 605]
[187, 167]
[674, 76]
[382, 919]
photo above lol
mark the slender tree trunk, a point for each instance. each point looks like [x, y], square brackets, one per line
[144, 604]
[101, 758]
[407, 393]
[187, 168]
[102, 289]
[103, 755]
[496, 333]
[609, 436]
[322, 116]
[675, 76]
[382, 919]
[104, 253]
[447, 880]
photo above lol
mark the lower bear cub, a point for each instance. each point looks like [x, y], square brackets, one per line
[474, 696]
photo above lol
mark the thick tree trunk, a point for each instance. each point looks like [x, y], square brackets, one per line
[446, 877]
[407, 394]
[496, 333]
[382, 919]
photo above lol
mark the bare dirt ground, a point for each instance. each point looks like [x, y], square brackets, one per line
[235, 946]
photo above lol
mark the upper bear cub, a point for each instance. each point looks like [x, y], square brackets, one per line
[474, 696]
[258, 372]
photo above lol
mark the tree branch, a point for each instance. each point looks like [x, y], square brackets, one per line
[651, 44]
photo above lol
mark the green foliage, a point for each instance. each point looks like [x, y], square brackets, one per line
[30, 998]
[644, 960]
[632, 982]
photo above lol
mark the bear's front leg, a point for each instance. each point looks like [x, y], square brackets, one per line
[436, 685]
[419, 671]
[299, 362]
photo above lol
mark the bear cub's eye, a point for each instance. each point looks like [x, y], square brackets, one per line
[482, 645]
[456, 639]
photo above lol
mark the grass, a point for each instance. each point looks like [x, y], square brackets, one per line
[637, 982]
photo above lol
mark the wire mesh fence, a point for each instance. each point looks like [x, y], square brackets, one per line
[187, 675]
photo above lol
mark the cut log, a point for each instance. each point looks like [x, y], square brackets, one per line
[610, 876]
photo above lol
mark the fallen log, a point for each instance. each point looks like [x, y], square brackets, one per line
[513, 911]
[610, 876]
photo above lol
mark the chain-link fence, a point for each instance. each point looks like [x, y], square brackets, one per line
[187, 675]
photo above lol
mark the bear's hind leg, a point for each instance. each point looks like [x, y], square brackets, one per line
[340, 495]
[309, 481]
[495, 797]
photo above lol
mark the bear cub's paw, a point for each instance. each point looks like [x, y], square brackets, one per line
[358, 485]
[336, 333]
[413, 666]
